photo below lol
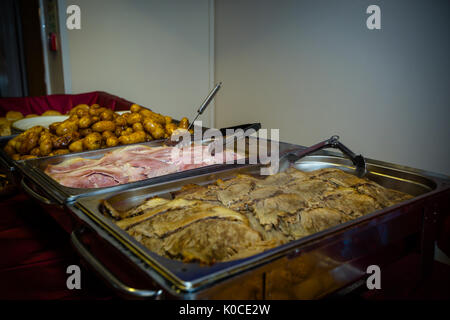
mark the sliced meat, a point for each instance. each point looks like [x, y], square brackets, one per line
[315, 220]
[242, 216]
[209, 241]
[129, 164]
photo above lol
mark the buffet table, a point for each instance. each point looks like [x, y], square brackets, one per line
[308, 231]
[36, 253]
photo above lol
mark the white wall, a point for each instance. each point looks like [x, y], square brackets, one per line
[313, 69]
[152, 52]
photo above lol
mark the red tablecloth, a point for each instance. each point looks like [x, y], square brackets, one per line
[35, 254]
[61, 102]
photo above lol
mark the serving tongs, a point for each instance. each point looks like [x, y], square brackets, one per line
[293, 155]
[174, 140]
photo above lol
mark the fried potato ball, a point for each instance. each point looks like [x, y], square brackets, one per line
[112, 141]
[104, 126]
[135, 137]
[45, 136]
[46, 147]
[81, 107]
[60, 152]
[29, 143]
[138, 127]
[127, 131]
[134, 118]
[107, 134]
[118, 131]
[51, 113]
[107, 115]
[65, 140]
[96, 111]
[35, 152]
[76, 146]
[28, 157]
[135, 108]
[146, 113]
[148, 137]
[14, 115]
[120, 121]
[170, 128]
[92, 141]
[85, 132]
[184, 123]
[3, 120]
[35, 129]
[154, 128]
[66, 127]
[85, 122]
[54, 126]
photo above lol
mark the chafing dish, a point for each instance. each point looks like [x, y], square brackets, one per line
[310, 267]
[7, 165]
[34, 172]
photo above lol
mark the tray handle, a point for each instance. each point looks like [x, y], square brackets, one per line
[34, 194]
[107, 275]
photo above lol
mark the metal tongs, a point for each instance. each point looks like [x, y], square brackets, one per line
[206, 103]
[333, 142]
[172, 142]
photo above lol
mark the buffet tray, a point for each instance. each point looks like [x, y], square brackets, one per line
[7, 165]
[34, 172]
[339, 256]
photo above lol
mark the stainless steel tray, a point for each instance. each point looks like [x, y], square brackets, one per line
[194, 281]
[34, 169]
[12, 168]
[8, 165]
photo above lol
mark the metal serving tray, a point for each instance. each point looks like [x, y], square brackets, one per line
[8, 165]
[340, 254]
[34, 171]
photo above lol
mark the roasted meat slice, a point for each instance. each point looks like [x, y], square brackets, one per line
[337, 177]
[214, 241]
[109, 209]
[318, 219]
[350, 202]
[311, 190]
[245, 215]
[270, 210]
[194, 231]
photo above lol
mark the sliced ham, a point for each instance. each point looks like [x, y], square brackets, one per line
[132, 163]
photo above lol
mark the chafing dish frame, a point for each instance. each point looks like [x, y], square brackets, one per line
[419, 215]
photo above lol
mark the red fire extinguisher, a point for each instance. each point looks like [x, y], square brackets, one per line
[53, 41]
